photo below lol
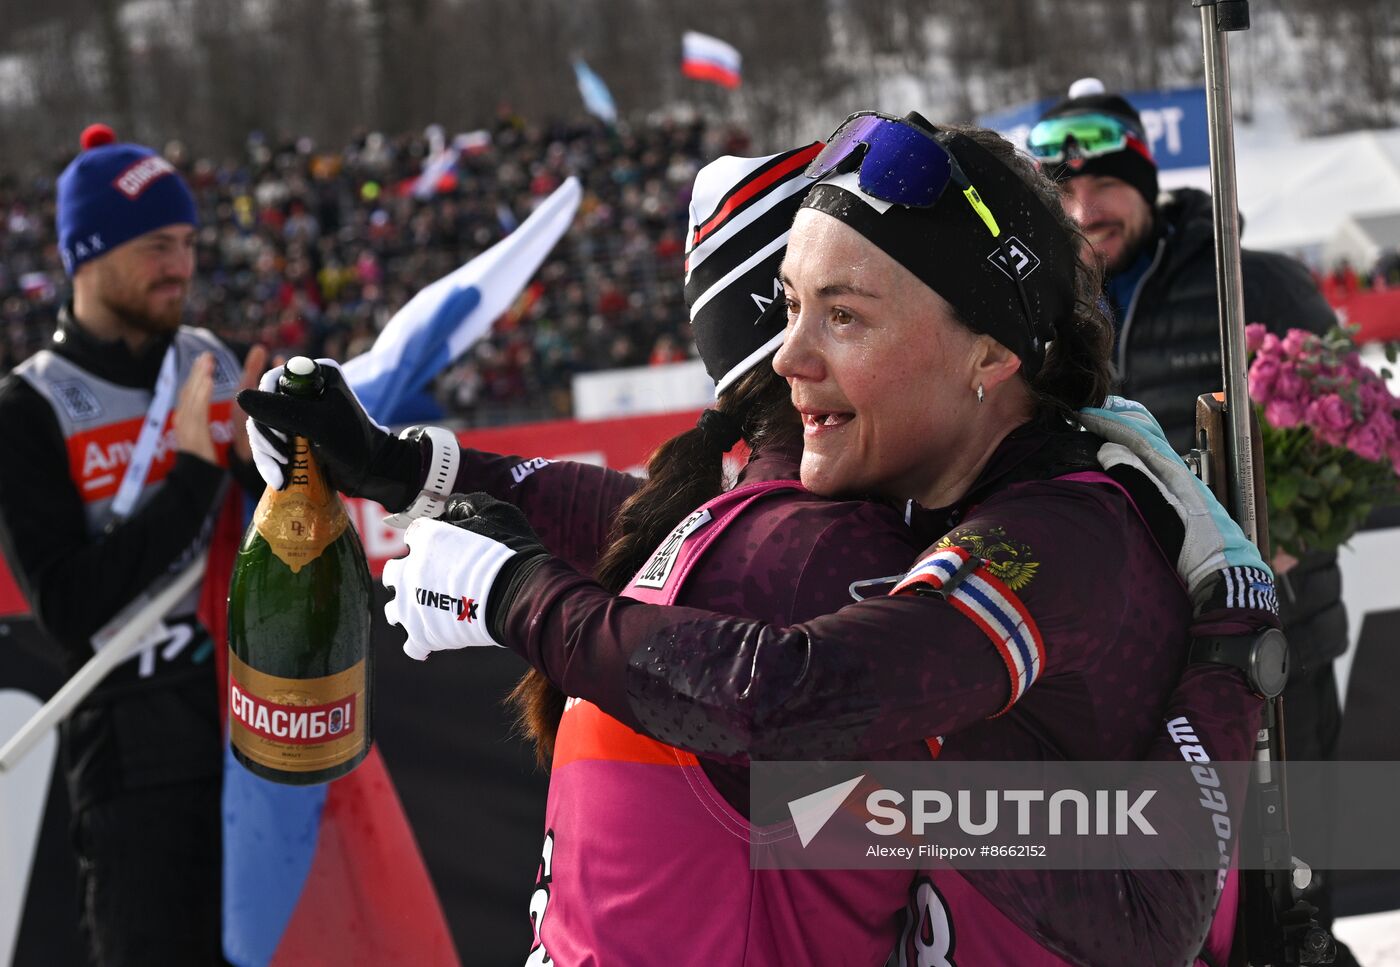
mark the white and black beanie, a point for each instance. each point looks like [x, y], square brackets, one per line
[741, 211]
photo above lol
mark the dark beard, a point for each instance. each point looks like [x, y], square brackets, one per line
[133, 318]
[1131, 253]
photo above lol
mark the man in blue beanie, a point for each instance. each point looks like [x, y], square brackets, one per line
[1158, 254]
[119, 437]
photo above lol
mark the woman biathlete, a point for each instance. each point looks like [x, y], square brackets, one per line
[657, 681]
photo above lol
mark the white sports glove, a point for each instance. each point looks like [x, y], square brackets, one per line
[442, 588]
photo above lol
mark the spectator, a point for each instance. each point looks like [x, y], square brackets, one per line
[1158, 254]
[315, 250]
[88, 537]
[665, 351]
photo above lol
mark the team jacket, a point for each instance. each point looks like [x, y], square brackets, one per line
[891, 672]
[69, 417]
[1169, 347]
[593, 905]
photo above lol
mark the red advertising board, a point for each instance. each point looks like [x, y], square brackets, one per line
[1377, 312]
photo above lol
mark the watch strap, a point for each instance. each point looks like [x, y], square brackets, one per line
[442, 475]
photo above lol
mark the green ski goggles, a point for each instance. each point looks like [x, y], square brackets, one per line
[1083, 136]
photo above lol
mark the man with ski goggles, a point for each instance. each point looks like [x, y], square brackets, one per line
[1158, 253]
[1100, 155]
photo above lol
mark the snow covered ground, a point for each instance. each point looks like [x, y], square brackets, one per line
[1373, 938]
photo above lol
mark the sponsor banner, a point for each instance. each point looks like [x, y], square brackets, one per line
[1376, 311]
[642, 389]
[97, 458]
[1175, 121]
[1180, 815]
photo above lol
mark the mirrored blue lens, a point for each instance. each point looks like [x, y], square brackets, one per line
[901, 164]
[905, 166]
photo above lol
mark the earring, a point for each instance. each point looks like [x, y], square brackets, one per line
[979, 393]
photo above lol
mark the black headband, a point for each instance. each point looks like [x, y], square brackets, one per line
[950, 249]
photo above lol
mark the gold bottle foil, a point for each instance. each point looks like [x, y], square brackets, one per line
[296, 724]
[301, 521]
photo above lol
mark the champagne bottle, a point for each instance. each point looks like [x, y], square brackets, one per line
[299, 625]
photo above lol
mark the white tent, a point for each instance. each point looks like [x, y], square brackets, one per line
[1316, 198]
[1297, 196]
[1362, 238]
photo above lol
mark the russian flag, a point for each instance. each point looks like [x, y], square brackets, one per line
[331, 874]
[707, 58]
[439, 174]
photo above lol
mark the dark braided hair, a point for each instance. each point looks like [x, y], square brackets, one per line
[684, 472]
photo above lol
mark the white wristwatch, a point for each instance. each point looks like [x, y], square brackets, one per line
[442, 474]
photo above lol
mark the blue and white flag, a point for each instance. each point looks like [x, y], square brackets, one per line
[446, 318]
[595, 94]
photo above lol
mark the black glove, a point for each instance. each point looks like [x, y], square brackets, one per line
[360, 457]
[505, 524]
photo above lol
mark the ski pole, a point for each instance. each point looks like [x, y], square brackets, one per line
[92, 673]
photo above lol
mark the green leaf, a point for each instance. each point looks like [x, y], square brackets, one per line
[1283, 527]
[1321, 516]
[1340, 489]
[1330, 473]
[1309, 488]
[1392, 352]
[1283, 491]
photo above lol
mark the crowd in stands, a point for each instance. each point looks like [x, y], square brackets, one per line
[312, 251]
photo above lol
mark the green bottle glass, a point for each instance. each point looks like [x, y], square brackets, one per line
[300, 663]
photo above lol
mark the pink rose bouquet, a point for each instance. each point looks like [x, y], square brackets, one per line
[1331, 434]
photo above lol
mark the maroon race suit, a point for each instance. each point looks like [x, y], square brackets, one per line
[849, 686]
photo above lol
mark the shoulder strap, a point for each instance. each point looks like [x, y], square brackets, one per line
[661, 578]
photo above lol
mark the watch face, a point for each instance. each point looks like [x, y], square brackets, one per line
[1268, 663]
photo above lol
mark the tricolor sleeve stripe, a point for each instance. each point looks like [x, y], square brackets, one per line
[935, 569]
[990, 605]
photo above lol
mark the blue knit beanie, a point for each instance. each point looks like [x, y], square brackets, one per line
[111, 193]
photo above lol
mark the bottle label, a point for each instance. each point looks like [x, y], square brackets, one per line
[301, 521]
[296, 724]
